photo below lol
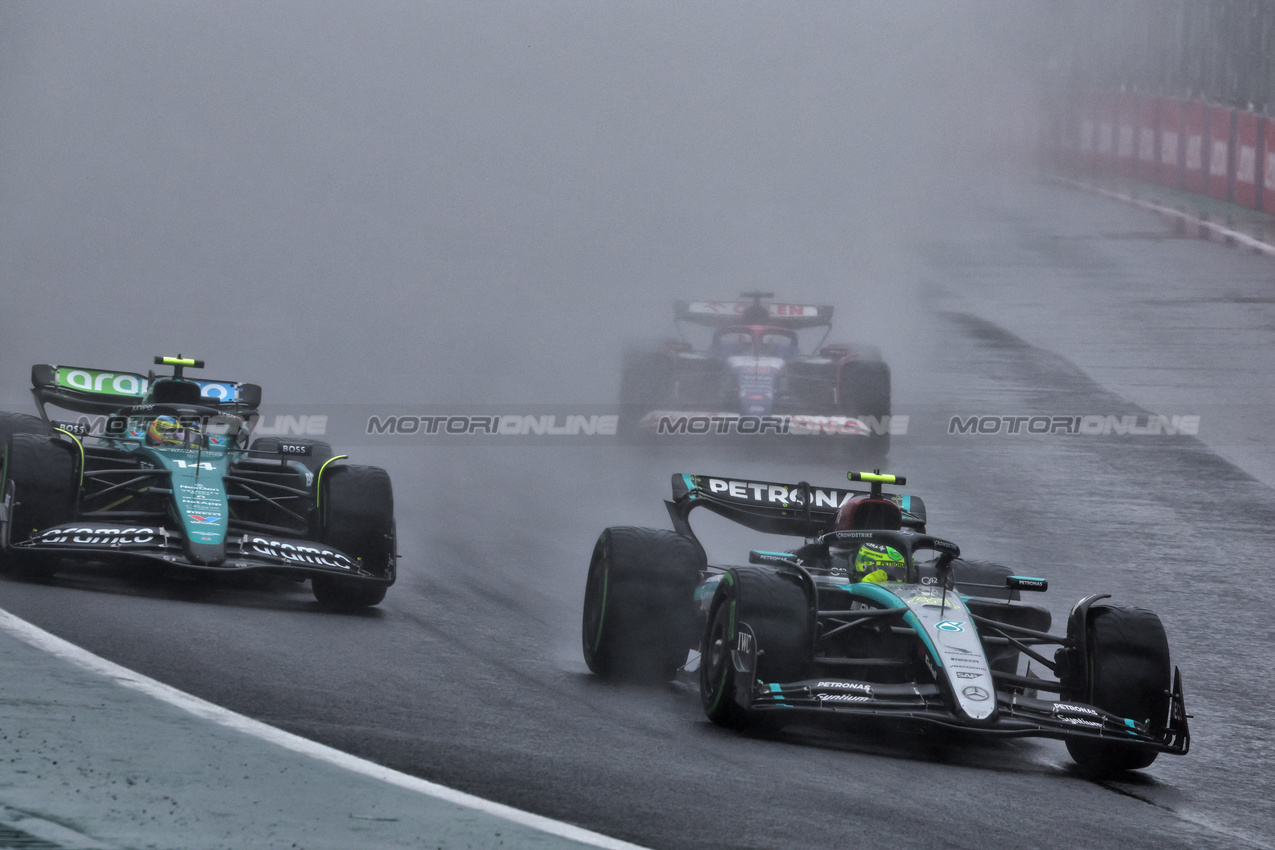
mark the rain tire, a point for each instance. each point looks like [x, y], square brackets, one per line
[639, 619]
[776, 609]
[43, 472]
[863, 390]
[1130, 676]
[357, 508]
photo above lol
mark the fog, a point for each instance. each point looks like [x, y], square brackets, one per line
[451, 203]
[471, 202]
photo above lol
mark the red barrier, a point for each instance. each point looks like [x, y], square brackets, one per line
[1087, 134]
[1246, 139]
[1126, 134]
[1207, 150]
[1148, 132]
[1097, 133]
[1193, 139]
[1219, 148]
[1066, 135]
[1059, 142]
[1267, 199]
[1108, 109]
[1170, 173]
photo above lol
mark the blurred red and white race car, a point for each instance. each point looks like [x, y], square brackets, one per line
[762, 368]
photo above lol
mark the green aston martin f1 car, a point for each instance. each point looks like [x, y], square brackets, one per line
[160, 469]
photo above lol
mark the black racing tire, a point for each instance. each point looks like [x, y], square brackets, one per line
[1129, 675]
[357, 518]
[970, 575]
[646, 383]
[43, 472]
[639, 620]
[22, 423]
[775, 607]
[320, 451]
[863, 390]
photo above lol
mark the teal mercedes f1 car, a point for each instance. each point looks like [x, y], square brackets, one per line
[163, 472]
[874, 620]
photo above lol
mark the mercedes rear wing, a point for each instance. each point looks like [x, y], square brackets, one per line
[797, 510]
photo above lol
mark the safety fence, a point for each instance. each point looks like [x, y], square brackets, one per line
[1216, 51]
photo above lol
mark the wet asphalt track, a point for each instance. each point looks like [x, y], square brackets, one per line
[470, 673]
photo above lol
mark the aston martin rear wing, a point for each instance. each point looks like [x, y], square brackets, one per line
[97, 391]
[720, 314]
[798, 510]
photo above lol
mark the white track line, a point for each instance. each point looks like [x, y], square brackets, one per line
[82, 658]
[1222, 234]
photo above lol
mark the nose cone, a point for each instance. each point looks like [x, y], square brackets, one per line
[205, 554]
[754, 405]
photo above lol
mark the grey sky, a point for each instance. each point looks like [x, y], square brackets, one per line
[453, 201]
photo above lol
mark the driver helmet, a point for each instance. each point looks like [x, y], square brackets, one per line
[168, 431]
[876, 562]
[776, 345]
[165, 431]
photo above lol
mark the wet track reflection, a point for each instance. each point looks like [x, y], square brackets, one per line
[470, 673]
